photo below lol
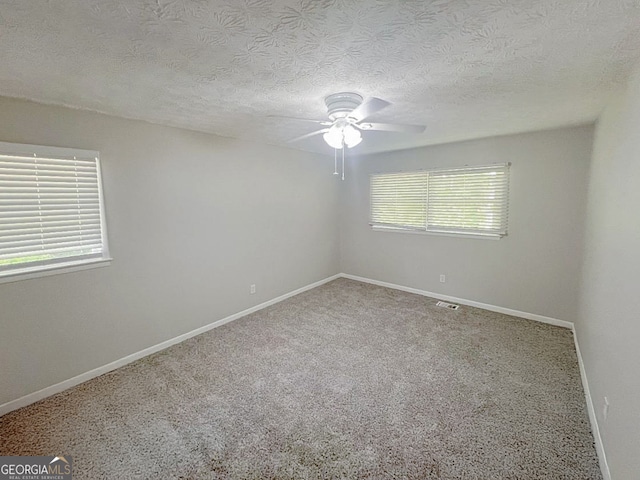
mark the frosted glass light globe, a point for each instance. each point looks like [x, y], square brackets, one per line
[352, 136]
[334, 137]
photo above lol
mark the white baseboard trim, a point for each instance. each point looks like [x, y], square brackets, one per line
[602, 457]
[96, 372]
[471, 303]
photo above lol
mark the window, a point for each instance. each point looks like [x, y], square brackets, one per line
[468, 200]
[51, 209]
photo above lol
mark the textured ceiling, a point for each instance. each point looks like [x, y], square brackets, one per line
[463, 68]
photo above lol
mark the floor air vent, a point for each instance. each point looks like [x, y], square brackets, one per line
[450, 306]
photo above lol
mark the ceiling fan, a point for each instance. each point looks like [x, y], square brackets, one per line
[347, 112]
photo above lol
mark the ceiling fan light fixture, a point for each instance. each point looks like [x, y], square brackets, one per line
[334, 137]
[340, 135]
[352, 136]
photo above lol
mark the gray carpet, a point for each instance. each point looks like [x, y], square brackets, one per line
[348, 380]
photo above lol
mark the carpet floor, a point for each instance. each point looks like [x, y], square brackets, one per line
[347, 380]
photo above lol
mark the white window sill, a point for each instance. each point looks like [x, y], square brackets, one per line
[57, 269]
[441, 234]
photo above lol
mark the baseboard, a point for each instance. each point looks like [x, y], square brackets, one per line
[463, 301]
[595, 430]
[96, 372]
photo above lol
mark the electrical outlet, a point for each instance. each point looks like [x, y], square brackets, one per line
[605, 408]
[443, 279]
[252, 288]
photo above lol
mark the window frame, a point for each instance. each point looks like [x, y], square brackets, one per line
[72, 263]
[425, 230]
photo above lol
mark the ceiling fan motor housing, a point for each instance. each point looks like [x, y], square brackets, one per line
[339, 105]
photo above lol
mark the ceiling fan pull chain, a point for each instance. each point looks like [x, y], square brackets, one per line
[343, 160]
[335, 161]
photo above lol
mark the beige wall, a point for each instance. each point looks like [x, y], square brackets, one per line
[609, 325]
[193, 220]
[535, 269]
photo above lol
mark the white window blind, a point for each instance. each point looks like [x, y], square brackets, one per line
[51, 210]
[399, 200]
[468, 200]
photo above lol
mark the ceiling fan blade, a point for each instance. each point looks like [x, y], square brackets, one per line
[367, 108]
[321, 122]
[391, 127]
[312, 134]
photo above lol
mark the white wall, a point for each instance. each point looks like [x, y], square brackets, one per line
[535, 269]
[609, 325]
[193, 220]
